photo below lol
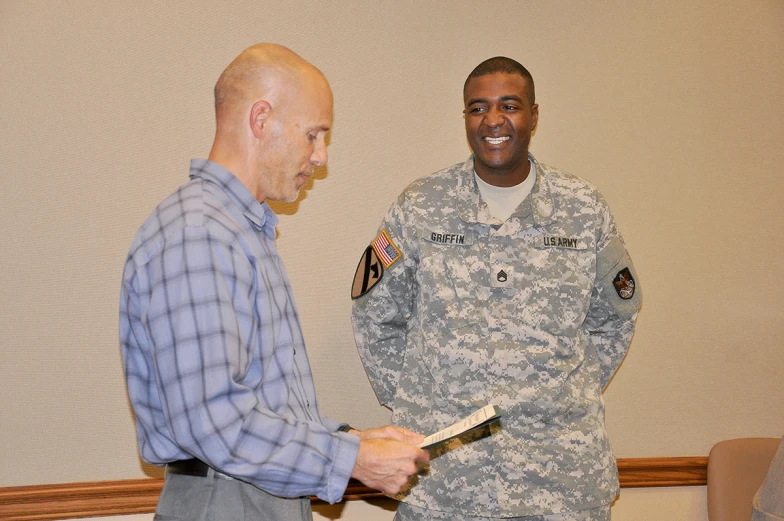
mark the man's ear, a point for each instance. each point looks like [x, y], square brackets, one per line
[534, 117]
[259, 113]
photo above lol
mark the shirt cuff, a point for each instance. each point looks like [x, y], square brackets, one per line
[342, 466]
[330, 424]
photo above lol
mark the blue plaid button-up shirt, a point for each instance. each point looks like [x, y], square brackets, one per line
[214, 355]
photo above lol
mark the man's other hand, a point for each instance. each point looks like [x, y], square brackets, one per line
[387, 457]
[390, 431]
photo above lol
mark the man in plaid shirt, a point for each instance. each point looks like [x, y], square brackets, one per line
[214, 355]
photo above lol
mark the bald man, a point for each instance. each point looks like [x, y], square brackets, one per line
[215, 360]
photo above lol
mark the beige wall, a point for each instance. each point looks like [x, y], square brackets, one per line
[673, 109]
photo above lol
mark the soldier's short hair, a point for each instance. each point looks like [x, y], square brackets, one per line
[504, 65]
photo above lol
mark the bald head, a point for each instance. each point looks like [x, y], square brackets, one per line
[262, 70]
[272, 110]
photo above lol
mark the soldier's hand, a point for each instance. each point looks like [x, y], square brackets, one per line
[385, 464]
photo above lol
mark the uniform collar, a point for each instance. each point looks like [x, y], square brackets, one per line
[260, 215]
[471, 209]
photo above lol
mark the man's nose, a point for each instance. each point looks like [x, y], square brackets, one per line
[319, 156]
[494, 117]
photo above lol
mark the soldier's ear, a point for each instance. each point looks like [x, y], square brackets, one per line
[534, 117]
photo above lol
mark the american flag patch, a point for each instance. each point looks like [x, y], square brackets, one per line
[386, 249]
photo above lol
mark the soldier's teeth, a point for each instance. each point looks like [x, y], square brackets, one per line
[496, 140]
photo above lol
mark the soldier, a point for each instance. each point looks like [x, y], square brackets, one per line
[500, 280]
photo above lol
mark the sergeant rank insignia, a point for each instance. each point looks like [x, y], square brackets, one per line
[624, 284]
[381, 254]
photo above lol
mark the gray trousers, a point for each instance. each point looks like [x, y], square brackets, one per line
[215, 498]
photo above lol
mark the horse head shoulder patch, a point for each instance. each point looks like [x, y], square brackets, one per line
[369, 272]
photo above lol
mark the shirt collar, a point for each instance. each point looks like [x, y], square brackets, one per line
[539, 203]
[260, 215]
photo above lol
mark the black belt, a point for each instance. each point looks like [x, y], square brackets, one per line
[192, 467]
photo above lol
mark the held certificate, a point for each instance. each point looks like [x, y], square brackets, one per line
[484, 415]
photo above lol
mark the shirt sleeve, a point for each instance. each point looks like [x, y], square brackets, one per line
[380, 317]
[202, 331]
[615, 300]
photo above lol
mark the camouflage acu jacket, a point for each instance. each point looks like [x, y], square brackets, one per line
[533, 315]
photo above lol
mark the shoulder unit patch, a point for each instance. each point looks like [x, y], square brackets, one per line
[624, 284]
[369, 272]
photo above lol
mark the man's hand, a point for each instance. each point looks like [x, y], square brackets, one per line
[390, 431]
[387, 457]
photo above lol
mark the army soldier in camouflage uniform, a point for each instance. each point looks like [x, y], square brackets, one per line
[500, 281]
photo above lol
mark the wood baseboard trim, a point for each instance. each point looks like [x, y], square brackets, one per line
[139, 496]
[663, 472]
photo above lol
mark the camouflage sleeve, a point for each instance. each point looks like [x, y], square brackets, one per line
[380, 314]
[615, 299]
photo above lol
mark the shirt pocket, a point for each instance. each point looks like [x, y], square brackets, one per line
[453, 280]
[562, 274]
[452, 318]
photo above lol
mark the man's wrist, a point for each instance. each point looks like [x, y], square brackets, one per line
[349, 429]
